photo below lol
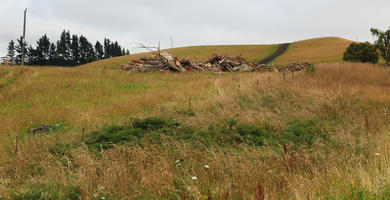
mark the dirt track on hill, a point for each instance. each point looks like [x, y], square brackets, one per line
[280, 51]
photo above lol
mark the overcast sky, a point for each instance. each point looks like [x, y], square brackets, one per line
[196, 22]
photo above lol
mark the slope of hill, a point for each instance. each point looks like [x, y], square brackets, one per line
[252, 53]
[317, 50]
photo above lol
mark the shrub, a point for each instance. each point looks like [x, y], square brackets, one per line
[311, 69]
[361, 52]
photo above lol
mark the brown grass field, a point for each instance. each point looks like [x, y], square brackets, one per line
[351, 160]
[318, 50]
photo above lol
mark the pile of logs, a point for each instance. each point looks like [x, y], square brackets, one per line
[218, 63]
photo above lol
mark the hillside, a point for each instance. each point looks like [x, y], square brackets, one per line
[318, 50]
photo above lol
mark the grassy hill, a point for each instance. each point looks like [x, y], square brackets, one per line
[320, 135]
[318, 50]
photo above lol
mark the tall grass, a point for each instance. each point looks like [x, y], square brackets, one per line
[349, 161]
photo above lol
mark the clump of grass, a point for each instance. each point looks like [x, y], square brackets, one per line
[301, 132]
[51, 191]
[135, 87]
[253, 133]
[154, 123]
[116, 134]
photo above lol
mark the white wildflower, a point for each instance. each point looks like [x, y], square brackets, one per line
[194, 178]
[177, 161]
[103, 198]
[207, 167]
[100, 188]
[377, 154]
[178, 165]
[95, 195]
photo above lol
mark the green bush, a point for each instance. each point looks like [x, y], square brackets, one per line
[361, 52]
[52, 191]
[300, 132]
[311, 69]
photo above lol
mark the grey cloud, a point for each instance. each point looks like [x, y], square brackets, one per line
[193, 22]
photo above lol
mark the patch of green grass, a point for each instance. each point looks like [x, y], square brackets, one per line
[51, 191]
[8, 82]
[135, 87]
[301, 132]
[115, 134]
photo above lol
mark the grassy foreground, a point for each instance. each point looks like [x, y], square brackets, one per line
[321, 135]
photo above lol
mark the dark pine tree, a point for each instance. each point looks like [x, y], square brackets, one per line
[18, 49]
[107, 48]
[11, 51]
[75, 50]
[42, 51]
[99, 51]
[53, 55]
[63, 49]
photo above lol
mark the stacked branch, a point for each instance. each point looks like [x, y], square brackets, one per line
[164, 61]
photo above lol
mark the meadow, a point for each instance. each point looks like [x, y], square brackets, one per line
[315, 135]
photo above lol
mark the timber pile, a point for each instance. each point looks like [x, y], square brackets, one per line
[218, 63]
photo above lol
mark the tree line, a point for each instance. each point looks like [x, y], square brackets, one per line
[69, 50]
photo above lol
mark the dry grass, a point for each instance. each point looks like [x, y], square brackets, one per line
[353, 100]
[318, 50]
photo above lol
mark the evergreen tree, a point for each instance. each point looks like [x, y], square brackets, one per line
[11, 51]
[42, 51]
[53, 55]
[75, 50]
[63, 49]
[99, 51]
[107, 48]
[18, 49]
[32, 57]
[91, 55]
